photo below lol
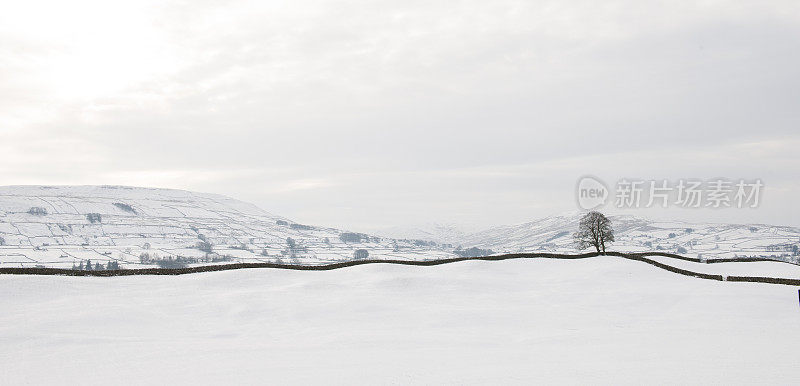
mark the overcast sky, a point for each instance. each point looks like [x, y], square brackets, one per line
[366, 114]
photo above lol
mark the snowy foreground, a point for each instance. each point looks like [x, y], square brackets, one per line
[601, 320]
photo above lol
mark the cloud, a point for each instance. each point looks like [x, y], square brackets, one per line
[405, 108]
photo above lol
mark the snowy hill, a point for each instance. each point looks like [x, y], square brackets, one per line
[452, 234]
[705, 240]
[62, 226]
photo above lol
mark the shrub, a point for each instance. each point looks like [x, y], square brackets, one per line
[281, 222]
[473, 252]
[172, 264]
[361, 254]
[423, 243]
[180, 261]
[147, 258]
[205, 246]
[301, 227]
[112, 265]
[125, 207]
[94, 217]
[349, 237]
[682, 250]
[37, 211]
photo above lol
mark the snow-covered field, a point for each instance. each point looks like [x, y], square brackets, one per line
[603, 320]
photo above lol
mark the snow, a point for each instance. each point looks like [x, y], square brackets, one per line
[603, 320]
[633, 234]
[747, 268]
[167, 222]
[170, 223]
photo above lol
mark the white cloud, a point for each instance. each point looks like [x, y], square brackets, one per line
[469, 110]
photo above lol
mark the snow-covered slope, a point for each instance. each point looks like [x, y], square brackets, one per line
[604, 320]
[62, 226]
[706, 240]
[451, 234]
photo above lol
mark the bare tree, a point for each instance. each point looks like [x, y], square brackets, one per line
[594, 230]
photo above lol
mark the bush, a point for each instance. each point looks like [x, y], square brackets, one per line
[682, 250]
[205, 246]
[349, 237]
[361, 254]
[37, 211]
[473, 252]
[281, 222]
[125, 207]
[94, 217]
[180, 261]
[113, 265]
[173, 264]
[301, 227]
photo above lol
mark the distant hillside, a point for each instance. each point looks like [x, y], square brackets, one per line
[62, 226]
[554, 234]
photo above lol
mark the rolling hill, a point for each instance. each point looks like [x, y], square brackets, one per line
[633, 234]
[129, 227]
[63, 226]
